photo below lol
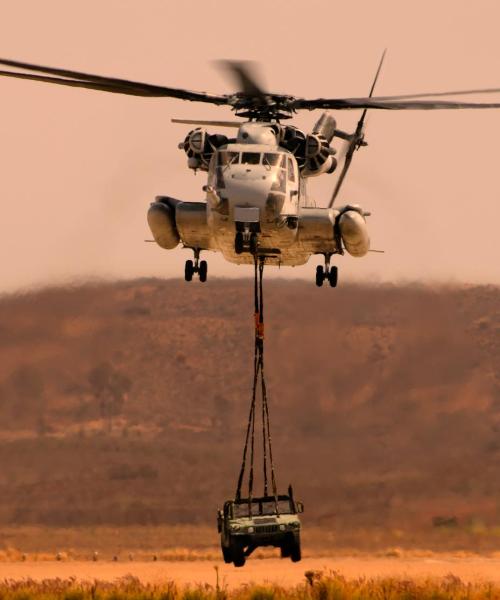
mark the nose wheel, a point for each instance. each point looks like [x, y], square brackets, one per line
[197, 266]
[327, 273]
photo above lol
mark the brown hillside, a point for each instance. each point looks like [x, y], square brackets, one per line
[126, 403]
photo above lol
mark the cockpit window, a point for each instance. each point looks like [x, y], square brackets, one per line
[227, 158]
[291, 171]
[250, 158]
[271, 159]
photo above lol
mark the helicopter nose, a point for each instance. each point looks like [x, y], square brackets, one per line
[250, 186]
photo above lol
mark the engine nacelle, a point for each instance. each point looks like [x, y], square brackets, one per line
[354, 232]
[161, 221]
[312, 151]
[199, 146]
[319, 157]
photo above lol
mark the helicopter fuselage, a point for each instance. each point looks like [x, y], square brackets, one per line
[257, 204]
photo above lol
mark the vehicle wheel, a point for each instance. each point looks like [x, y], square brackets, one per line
[333, 276]
[285, 550]
[227, 555]
[238, 243]
[254, 243]
[295, 551]
[238, 555]
[320, 275]
[202, 271]
[188, 270]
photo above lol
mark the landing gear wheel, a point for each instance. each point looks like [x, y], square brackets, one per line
[254, 244]
[202, 271]
[226, 553]
[333, 276]
[188, 270]
[295, 551]
[320, 275]
[238, 243]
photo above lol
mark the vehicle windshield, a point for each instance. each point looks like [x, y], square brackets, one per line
[262, 508]
[241, 510]
[269, 508]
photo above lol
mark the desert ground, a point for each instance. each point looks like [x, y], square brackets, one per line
[259, 571]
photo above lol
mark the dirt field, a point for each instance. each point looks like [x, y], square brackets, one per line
[281, 572]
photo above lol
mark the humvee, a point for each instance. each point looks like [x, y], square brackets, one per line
[248, 523]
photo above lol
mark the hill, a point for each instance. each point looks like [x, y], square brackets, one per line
[126, 403]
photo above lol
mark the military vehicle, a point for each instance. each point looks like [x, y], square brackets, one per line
[246, 524]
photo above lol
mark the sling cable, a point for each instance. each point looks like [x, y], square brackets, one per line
[258, 377]
[249, 522]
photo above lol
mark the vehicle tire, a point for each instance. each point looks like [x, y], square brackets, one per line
[227, 555]
[188, 270]
[320, 275]
[285, 550]
[333, 276]
[202, 271]
[254, 244]
[238, 243]
[295, 551]
[238, 555]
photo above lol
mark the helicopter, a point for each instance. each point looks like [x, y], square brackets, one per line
[256, 206]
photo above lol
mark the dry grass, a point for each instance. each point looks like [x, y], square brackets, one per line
[317, 586]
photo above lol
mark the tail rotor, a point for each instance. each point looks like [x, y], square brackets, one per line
[356, 139]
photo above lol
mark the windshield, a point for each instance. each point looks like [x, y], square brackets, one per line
[269, 508]
[274, 160]
[250, 158]
[241, 510]
[227, 158]
[262, 508]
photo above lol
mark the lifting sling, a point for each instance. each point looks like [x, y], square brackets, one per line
[267, 453]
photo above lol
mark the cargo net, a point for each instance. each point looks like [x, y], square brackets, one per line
[258, 382]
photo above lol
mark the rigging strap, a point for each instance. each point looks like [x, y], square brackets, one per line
[267, 455]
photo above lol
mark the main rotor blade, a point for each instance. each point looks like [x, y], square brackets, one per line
[244, 73]
[435, 94]
[103, 87]
[121, 86]
[235, 124]
[374, 103]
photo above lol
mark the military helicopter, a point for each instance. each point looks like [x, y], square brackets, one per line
[257, 206]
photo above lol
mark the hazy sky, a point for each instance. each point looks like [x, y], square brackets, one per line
[79, 168]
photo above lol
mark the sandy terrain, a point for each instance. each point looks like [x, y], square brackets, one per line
[258, 571]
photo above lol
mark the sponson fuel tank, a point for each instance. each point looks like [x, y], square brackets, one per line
[161, 221]
[354, 233]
